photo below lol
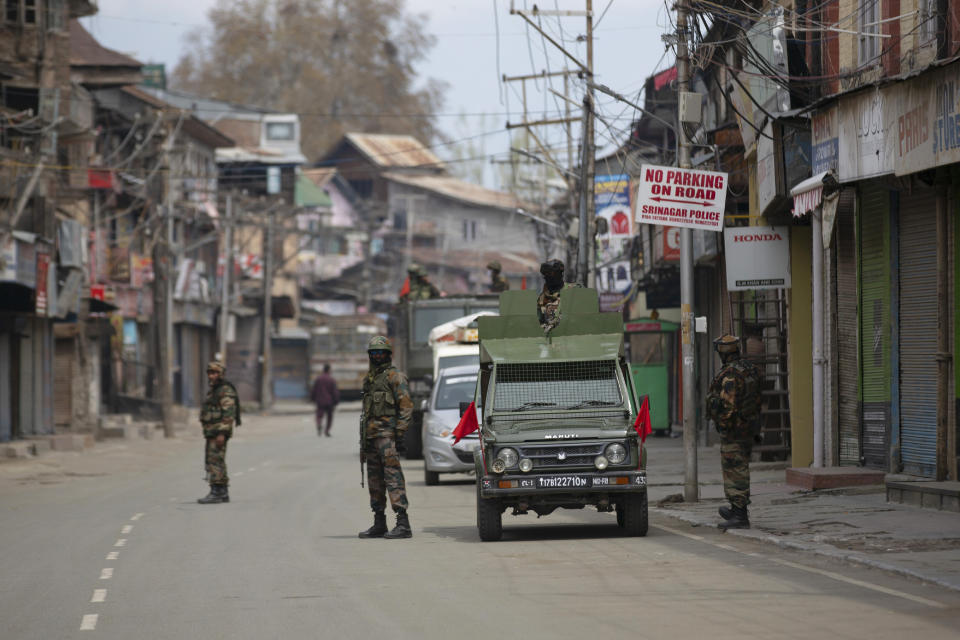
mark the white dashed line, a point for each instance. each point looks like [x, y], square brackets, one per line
[89, 622]
[99, 595]
[127, 529]
[252, 469]
[136, 517]
[113, 555]
[822, 572]
[106, 573]
[122, 542]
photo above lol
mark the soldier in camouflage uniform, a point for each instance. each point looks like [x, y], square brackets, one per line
[733, 403]
[497, 282]
[221, 409]
[387, 409]
[548, 303]
[420, 287]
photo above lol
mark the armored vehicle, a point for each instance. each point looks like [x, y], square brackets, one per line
[556, 415]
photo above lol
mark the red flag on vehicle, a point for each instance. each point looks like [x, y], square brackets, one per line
[467, 425]
[405, 289]
[642, 424]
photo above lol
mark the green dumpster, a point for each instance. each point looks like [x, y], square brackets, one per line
[652, 345]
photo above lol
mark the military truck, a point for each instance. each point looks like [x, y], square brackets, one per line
[556, 415]
[413, 354]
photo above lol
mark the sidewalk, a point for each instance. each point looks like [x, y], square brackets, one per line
[854, 525]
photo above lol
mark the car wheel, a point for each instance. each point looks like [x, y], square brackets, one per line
[635, 517]
[430, 478]
[489, 518]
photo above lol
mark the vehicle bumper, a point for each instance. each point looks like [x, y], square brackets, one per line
[492, 486]
[441, 456]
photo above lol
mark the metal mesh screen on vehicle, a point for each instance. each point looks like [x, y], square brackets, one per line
[556, 385]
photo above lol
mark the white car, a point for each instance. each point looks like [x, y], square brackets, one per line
[440, 418]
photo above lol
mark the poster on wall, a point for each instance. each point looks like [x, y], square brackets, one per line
[612, 204]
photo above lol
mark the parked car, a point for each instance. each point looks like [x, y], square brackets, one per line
[440, 418]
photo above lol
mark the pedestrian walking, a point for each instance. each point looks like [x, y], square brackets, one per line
[326, 396]
[220, 411]
[385, 417]
[733, 403]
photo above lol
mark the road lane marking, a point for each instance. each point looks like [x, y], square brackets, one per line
[99, 595]
[127, 528]
[136, 516]
[822, 572]
[113, 555]
[252, 469]
[237, 474]
[106, 573]
[122, 542]
[89, 622]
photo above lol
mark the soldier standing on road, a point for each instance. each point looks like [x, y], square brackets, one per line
[548, 303]
[387, 409]
[733, 403]
[420, 287]
[497, 282]
[221, 409]
[326, 396]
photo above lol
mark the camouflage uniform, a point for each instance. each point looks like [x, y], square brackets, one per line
[422, 289]
[548, 306]
[497, 282]
[387, 408]
[733, 403]
[217, 416]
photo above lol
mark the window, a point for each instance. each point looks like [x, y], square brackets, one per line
[469, 230]
[20, 11]
[55, 15]
[454, 390]
[280, 131]
[560, 385]
[869, 27]
[400, 220]
[928, 20]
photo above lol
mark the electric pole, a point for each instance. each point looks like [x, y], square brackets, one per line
[266, 391]
[691, 483]
[225, 280]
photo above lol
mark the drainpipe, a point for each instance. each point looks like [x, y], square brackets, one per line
[816, 217]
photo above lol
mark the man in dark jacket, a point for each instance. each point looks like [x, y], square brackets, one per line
[326, 396]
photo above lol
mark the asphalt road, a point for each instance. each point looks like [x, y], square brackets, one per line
[112, 544]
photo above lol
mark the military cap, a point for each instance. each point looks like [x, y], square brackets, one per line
[551, 266]
[727, 344]
[494, 265]
[216, 367]
[379, 343]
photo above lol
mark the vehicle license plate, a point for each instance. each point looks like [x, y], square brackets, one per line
[563, 482]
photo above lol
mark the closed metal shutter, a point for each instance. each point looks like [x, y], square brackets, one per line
[290, 369]
[847, 339]
[63, 381]
[918, 332]
[875, 368]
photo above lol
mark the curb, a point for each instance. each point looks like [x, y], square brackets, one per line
[825, 550]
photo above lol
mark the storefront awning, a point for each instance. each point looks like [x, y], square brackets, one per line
[808, 195]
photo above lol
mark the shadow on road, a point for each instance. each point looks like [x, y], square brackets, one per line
[533, 533]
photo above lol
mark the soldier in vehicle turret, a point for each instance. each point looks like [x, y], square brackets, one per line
[548, 303]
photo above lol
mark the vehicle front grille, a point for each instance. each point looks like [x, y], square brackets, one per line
[559, 456]
[464, 456]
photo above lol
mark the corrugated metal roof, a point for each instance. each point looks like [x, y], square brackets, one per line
[457, 189]
[387, 150]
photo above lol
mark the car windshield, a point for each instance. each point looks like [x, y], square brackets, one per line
[556, 385]
[445, 362]
[454, 390]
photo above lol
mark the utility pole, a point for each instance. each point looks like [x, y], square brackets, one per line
[590, 170]
[266, 378]
[691, 492]
[225, 281]
[163, 264]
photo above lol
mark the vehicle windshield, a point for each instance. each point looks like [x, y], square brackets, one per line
[556, 385]
[445, 362]
[454, 390]
[426, 318]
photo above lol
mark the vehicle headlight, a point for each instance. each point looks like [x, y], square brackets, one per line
[437, 429]
[508, 456]
[616, 453]
[601, 463]
[526, 464]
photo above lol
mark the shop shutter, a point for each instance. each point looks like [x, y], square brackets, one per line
[847, 365]
[65, 352]
[874, 311]
[290, 369]
[918, 332]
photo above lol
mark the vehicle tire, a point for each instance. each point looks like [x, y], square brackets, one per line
[414, 441]
[620, 520]
[635, 520]
[489, 518]
[430, 478]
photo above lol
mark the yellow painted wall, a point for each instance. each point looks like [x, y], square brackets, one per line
[849, 20]
[800, 347]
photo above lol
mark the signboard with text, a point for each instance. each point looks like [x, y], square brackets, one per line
[681, 197]
[757, 257]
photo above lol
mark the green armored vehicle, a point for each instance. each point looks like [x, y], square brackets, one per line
[556, 415]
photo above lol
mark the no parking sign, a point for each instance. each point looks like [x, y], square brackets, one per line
[681, 197]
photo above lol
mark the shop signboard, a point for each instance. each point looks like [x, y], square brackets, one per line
[671, 244]
[867, 136]
[757, 257]
[826, 140]
[676, 197]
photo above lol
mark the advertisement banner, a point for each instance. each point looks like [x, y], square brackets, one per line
[43, 271]
[611, 197]
[681, 197]
[757, 257]
[671, 244]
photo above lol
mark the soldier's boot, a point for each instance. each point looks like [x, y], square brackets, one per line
[213, 497]
[379, 526]
[725, 512]
[738, 519]
[402, 530]
[224, 493]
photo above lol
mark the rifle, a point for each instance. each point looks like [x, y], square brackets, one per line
[363, 443]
